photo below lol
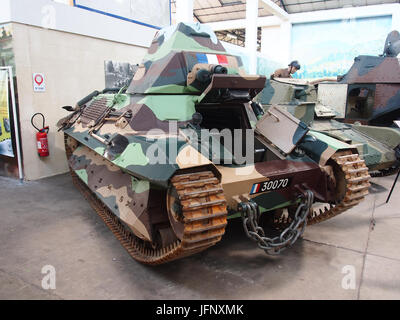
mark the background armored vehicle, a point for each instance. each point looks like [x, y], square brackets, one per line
[378, 146]
[167, 160]
[370, 91]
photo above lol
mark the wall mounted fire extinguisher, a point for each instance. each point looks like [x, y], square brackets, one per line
[41, 137]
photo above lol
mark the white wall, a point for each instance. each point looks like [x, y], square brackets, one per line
[153, 12]
[61, 17]
[5, 11]
[73, 66]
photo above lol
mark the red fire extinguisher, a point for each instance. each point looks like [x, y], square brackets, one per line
[41, 137]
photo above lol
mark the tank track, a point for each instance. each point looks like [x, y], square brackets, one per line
[356, 178]
[203, 208]
[356, 187]
[385, 172]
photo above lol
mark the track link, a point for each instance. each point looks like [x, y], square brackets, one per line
[204, 217]
[385, 172]
[356, 184]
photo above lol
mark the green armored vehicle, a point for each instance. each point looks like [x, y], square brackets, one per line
[166, 161]
[369, 92]
[377, 146]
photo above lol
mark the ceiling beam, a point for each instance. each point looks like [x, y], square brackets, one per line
[283, 5]
[197, 17]
[184, 11]
[221, 13]
[308, 2]
[276, 10]
[230, 4]
[241, 23]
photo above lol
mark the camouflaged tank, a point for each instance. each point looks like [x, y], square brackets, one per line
[166, 161]
[379, 147]
[369, 92]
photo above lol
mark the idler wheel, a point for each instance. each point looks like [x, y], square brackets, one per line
[175, 213]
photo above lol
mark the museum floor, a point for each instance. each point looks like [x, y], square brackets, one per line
[47, 222]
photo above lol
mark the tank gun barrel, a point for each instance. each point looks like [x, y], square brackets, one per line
[200, 75]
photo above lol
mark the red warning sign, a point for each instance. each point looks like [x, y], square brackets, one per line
[39, 84]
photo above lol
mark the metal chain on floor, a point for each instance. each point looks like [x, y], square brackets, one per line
[250, 213]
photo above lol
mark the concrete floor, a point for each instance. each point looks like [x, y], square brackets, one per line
[48, 222]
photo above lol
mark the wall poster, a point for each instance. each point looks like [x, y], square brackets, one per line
[119, 74]
[10, 159]
[6, 148]
[331, 50]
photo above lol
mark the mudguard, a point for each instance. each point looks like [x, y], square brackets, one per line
[388, 136]
[321, 147]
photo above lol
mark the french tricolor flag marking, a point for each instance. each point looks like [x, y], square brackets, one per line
[256, 188]
[212, 58]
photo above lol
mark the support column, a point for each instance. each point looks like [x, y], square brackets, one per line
[286, 31]
[276, 43]
[184, 11]
[396, 18]
[271, 43]
[251, 34]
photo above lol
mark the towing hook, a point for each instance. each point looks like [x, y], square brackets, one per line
[242, 206]
[303, 191]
